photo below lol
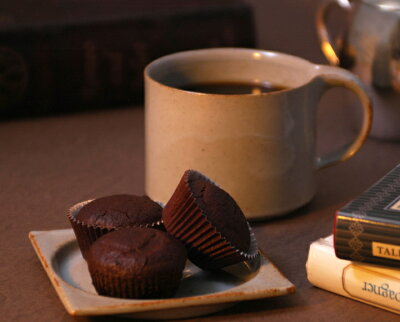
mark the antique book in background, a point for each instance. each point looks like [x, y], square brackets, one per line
[71, 55]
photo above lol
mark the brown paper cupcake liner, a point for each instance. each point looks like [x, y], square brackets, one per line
[225, 256]
[157, 286]
[207, 248]
[87, 234]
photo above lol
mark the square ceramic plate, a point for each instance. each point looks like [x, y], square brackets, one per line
[200, 292]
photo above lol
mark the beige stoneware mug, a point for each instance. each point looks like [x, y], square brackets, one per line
[259, 147]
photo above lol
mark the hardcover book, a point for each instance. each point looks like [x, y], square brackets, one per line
[70, 55]
[368, 228]
[375, 285]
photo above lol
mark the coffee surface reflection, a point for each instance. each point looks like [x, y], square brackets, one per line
[232, 88]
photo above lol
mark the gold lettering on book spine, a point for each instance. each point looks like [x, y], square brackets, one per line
[386, 250]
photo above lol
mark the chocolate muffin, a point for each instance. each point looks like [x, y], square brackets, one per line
[136, 262]
[120, 211]
[94, 218]
[209, 222]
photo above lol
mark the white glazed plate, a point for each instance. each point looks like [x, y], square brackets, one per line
[200, 292]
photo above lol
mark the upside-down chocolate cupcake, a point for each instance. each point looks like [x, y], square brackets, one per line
[94, 218]
[209, 222]
[136, 262]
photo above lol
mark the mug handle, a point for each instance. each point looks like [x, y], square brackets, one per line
[326, 43]
[338, 77]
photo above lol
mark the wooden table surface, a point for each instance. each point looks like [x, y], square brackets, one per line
[48, 164]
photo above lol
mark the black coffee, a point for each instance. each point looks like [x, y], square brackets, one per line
[233, 88]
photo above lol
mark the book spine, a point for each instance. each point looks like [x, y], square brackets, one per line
[366, 240]
[372, 285]
[62, 68]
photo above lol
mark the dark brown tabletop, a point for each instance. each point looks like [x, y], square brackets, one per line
[48, 164]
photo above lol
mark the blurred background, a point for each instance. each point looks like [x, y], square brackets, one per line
[64, 56]
[289, 26]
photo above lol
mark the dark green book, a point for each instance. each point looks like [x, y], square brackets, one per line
[368, 228]
[70, 55]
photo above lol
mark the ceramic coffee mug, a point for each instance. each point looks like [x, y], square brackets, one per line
[259, 147]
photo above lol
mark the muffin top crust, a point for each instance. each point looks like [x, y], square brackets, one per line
[137, 250]
[220, 209]
[119, 211]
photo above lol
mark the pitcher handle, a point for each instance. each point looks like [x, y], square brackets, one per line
[326, 43]
[329, 77]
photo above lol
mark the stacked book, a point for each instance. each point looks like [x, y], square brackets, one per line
[361, 260]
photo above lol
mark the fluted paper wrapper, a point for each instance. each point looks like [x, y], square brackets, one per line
[207, 248]
[87, 234]
[156, 286]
